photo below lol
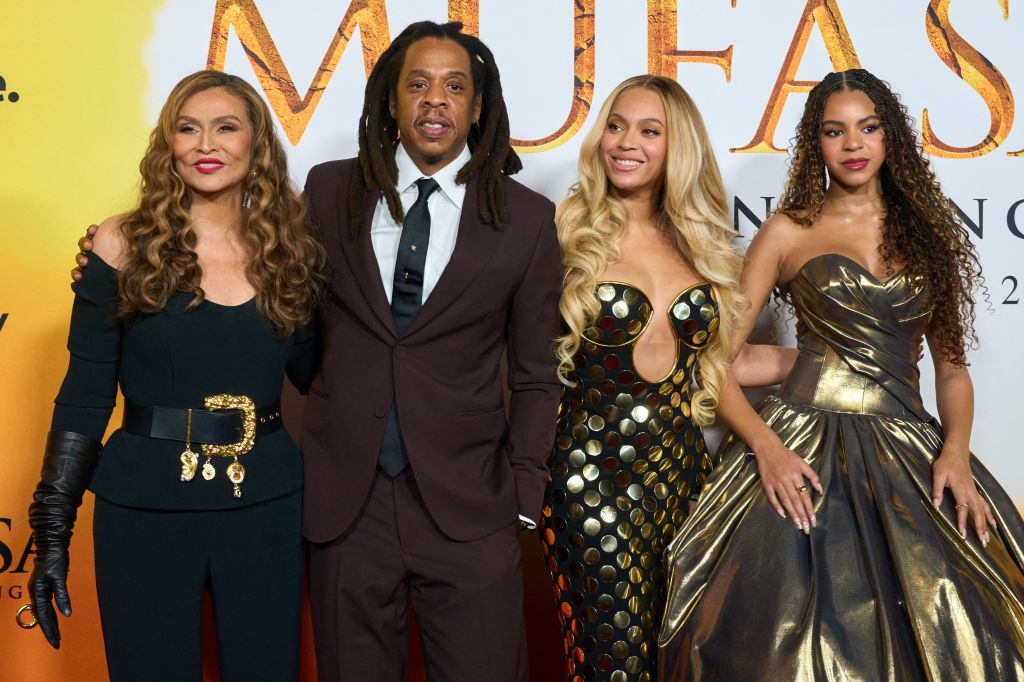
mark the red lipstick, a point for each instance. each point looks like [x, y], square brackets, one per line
[208, 165]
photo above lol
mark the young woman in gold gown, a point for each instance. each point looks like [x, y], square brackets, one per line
[907, 560]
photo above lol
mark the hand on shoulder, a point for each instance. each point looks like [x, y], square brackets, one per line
[105, 240]
[109, 243]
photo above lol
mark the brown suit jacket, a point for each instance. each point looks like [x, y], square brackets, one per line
[476, 469]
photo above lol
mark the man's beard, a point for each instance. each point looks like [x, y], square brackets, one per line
[433, 159]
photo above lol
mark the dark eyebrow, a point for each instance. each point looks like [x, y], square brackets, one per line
[860, 122]
[424, 73]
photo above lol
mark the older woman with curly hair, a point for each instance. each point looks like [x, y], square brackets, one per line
[902, 558]
[197, 304]
[650, 300]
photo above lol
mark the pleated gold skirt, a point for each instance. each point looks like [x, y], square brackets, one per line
[883, 589]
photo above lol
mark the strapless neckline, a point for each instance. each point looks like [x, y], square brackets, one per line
[885, 284]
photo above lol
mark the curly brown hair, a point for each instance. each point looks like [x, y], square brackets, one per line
[287, 260]
[921, 230]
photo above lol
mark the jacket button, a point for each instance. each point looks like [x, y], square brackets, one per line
[379, 411]
[400, 351]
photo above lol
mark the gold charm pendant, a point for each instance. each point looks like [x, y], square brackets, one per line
[189, 464]
[208, 471]
[236, 474]
[189, 460]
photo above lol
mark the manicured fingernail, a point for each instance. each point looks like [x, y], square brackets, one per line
[796, 522]
[935, 503]
[781, 513]
[963, 533]
[814, 520]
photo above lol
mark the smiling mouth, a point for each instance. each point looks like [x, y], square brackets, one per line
[208, 165]
[626, 164]
[855, 164]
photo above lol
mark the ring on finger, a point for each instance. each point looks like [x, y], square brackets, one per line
[962, 505]
[801, 488]
[26, 608]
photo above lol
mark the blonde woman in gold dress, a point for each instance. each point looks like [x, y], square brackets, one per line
[900, 557]
[651, 294]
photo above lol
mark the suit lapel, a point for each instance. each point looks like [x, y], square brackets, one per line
[361, 259]
[474, 245]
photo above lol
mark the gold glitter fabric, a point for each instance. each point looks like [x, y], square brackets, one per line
[884, 588]
[626, 462]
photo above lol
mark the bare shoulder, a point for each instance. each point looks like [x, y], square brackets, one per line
[109, 242]
[773, 240]
[778, 231]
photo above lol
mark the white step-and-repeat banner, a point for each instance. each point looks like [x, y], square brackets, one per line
[81, 85]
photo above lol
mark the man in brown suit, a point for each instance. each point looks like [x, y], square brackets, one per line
[418, 476]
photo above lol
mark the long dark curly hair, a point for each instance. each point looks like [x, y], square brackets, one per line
[921, 230]
[287, 263]
[489, 142]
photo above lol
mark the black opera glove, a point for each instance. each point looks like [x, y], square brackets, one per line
[68, 463]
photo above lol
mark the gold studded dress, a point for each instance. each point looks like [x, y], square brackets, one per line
[884, 588]
[626, 462]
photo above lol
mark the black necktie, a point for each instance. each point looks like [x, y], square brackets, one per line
[407, 291]
[406, 300]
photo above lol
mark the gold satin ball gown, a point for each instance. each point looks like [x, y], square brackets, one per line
[627, 460]
[884, 588]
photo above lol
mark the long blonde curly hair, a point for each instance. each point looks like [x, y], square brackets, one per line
[692, 213]
[287, 261]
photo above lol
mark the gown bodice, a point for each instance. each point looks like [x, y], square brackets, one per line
[858, 339]
[605, 363]
[613, 409]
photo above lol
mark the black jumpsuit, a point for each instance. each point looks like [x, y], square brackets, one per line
[160, 542]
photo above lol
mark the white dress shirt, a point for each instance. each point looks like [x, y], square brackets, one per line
[445, 208]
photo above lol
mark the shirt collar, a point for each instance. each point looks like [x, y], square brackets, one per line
[408, 173]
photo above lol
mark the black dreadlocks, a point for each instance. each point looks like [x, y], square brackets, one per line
[489, 140]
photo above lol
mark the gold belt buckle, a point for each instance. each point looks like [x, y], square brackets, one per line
[235, 471]
[243, 404]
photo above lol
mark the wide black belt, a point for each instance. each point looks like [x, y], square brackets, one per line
[210, 427]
